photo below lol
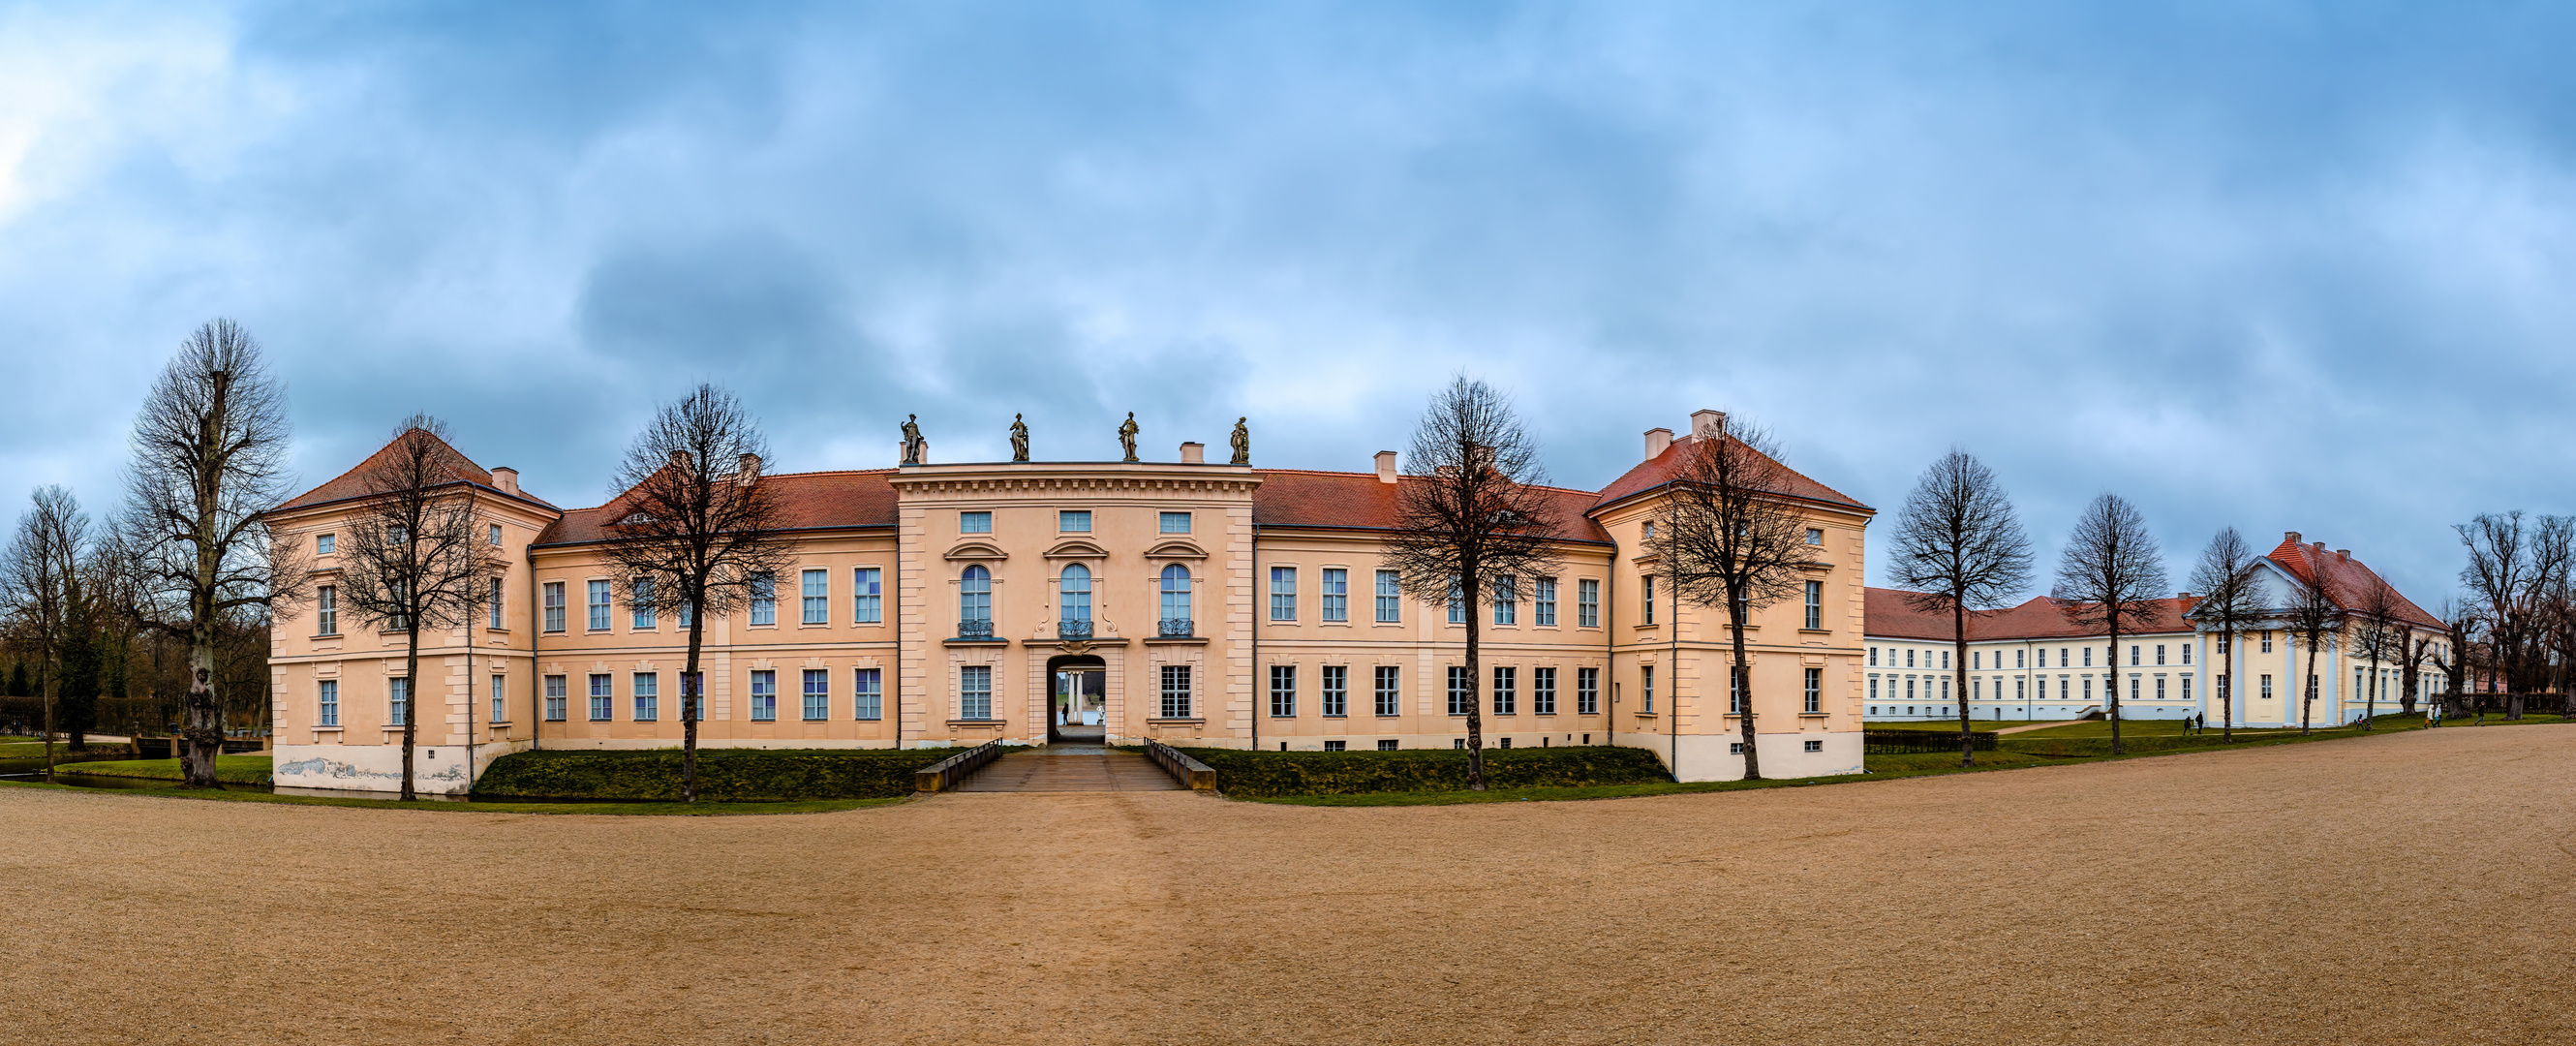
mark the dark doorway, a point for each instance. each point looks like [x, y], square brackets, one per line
[1078, 709]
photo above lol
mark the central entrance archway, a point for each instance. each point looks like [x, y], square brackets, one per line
[1077, 713]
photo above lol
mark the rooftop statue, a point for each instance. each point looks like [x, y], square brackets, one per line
[1127, 435]
[1242, 443]
[1019, 439]
[915, 448]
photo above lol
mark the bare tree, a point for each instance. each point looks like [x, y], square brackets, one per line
[210, 451]
[2232, 601]
[40, 580]
[2513, 567]
[2418, 653]
[695, 531]
[2459, 630]
[1472, 519]
[2315, 624]
[1960, 548]
[413, 558]
[2378, 635]
[2112, 572]
[1732, 538]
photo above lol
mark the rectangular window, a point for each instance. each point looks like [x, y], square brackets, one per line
[2133, 655]
[764, 599]
[974, 522]
[2186, 688]
[2160, 688]
[1283, 691]
[554, 602]
[326, 610]
[1909, 659]
[496, 535]
[1815, 691]
[1176, 691]
[1336, 690]
[764, 696]
[1390, 597]
[554, 699]
[1389, 691]
[1646, 687]
[2267, 643]
[2186, 653]
[867, 694]
[1587, 691]
[1074, 521]
[1506, 692]
[500, 700]
[648, 696]
[2267, 688]
[1283, 593]
[640, 594]
[1587, 603]
[1176, 523]
[693, 696]
[598, 606]
[398, 701]
[817, 596]
[325, 544]
[1646, 601]
[1815, 536]
[867, 595]
[1735, 692]
[1543, 604]
[2133, 687]
[1386, 744]
[818, 693]
[1336, 585]
[494, 608]
[2088, 657]
[1815, 604]
[2160, 653]
[1873, 657]
[1507, 600]
[328, 712]
[1336, 746]
[1457, 603]
[600, 696]
[975, 692]
[1462, 691]
[1542, 691]
[1815, 745]
[684, 615]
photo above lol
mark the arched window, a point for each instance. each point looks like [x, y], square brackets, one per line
[1176, 601]
[1075, 593]
[975, 595]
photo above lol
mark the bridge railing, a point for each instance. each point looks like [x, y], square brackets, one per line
[946, 774]
[1197, 776]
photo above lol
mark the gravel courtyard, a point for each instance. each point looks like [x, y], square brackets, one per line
[2408, 888]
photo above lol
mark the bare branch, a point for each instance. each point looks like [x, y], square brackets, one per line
[2112, 572]
[1960, 548]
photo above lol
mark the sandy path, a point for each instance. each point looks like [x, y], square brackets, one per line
[2313, 893]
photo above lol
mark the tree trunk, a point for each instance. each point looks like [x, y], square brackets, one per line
[1467, 591]
[693, 702]
[52, 688]
[2227, 695]
[2308, 694]
[2370, 697]
[203, 729]
[411, 703]
[1959, 639]
[2114, 677]
[1740, 676]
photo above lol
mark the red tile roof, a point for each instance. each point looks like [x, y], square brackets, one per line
[1890, 617]
[813, 501]
[353, 483]
[2347, 582]
[1361, 501]
[1663, 467]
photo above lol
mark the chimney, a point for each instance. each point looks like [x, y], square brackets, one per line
[1194, 453]
[1386, 466]
[1708, 423]
[2182, 595]
[505, 479]
[2291, 537]
[1657, 440]
[2318, 546]
[748, 467]
[2343, 553]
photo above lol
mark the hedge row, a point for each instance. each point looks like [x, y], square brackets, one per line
[724, 774]
[2088, 746]
[1271, 774]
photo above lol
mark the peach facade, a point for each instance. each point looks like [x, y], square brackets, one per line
[1049, 602]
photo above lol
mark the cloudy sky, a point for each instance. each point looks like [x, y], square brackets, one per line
[2282, 266]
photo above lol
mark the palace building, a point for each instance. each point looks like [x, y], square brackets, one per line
[2032, 662]
[1034, 603]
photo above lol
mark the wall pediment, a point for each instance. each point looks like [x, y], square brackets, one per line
[1076, 548]
[977, 550]
[1176, 549]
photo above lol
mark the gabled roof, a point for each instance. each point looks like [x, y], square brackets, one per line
[353, 483]
[1362, 501]
[1664, 467]
[2347, 582]
[1889, 616]
[811, 500]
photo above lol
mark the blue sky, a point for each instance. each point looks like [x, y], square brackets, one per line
[2282, 266]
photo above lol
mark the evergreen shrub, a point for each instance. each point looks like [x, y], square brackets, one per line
[1261, 775]
[733, 775]
[2093, 746]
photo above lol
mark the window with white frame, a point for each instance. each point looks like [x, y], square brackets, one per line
[500, 699]
[1646, 688]
[867, 694]
[1283, 691]
[975, 596]
[1333, 691]
[1283, 593]
[1457, 602]
[693, 695]
[1543, 603]
[818, 694]
[1542, 691]
[326, 610]
[1462, 691]
[648, 696]
[1815, 536]
[816, 594]
[1506, 691]
[1507, 600]
[2186, 653]
[640, 595]
[1815, 691]
[975, 692]
[1735, 690]
[397, 701]
[555, 699]
[764, 598]
[764, 695]
[1587, 603]
[493, 609]
[1390, 597]
[1175, 597]
[974, 522]
[1333, 595]
[554, 606]
[1176, 691]
[1073, 521]
[1587, 691]
[495, 536]
[1073, 593]
[1815, 604]
[598, 606]
[600, 697]
[327, 710]
[1389, 690]
[325, 544]
[867, 595]
[1175, 523]
[1646, 600]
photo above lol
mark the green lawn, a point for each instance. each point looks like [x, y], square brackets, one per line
[604, 809]
[1951, 726]
[229, 769]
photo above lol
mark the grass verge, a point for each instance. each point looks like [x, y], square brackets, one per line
[229, 769]
[704, 809]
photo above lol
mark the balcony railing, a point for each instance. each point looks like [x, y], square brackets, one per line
[1174, 628]
[1073, 629]
[975, 629]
